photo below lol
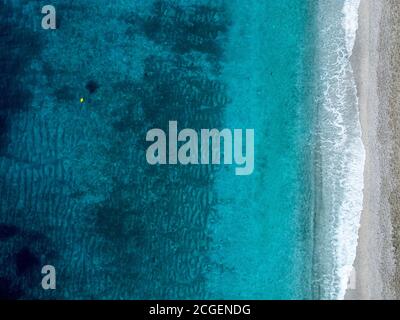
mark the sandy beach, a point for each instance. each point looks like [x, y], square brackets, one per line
[376, 64]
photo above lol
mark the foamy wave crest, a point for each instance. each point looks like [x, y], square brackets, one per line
[350, 22]
[342, 153]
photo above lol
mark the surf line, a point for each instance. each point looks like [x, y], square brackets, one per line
[188, 152]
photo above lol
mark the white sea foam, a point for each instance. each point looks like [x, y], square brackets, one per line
[350, 22]
[341, 147]
[351, 208]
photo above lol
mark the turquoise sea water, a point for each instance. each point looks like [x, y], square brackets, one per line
[265, 228]
[77, 193]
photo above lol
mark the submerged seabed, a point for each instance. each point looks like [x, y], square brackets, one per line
[74, 179]
[76, 191]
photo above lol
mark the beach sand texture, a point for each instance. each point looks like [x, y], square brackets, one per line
[376, 62]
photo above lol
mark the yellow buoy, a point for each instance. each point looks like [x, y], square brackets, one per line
[82, 100]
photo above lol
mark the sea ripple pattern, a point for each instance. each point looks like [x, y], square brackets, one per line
[75, 189]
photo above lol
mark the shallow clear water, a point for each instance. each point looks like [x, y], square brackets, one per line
[265, 226]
